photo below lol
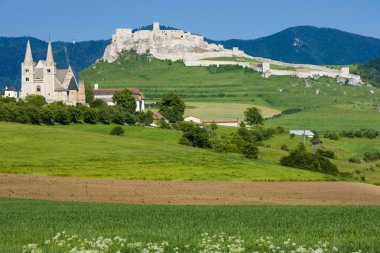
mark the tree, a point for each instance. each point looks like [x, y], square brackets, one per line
[250, 150]
[195, 136]
[125, 99]
[172, 107]
[36, 100]
[89, 93]
[97, 103]
[253, 116]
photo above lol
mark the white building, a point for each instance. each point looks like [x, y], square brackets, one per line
[107, 94]
[307, 133]
[192, 119]
[46, 80]
[10, 92]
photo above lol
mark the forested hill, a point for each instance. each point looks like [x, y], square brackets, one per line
[79, 55]
[308, 44]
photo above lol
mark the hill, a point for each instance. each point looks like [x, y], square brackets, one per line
[144, 153]
[336, 106]
[312, 45]
[79, 55]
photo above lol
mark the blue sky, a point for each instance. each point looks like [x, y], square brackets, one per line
[215, 19]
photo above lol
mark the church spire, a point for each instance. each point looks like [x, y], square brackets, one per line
[28, 54]
[49, 55]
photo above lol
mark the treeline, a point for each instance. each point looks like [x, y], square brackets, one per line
[35, 110]
[370, 72]
[362, 133]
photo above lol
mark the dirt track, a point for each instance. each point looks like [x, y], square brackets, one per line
[193, 193]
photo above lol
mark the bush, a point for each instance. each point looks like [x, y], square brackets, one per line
[195, 136]
[284, 147]
[371, 156]
[326, 153]
[117, 130]
[89, 116]
[62, 115]
[308, 161]
[250, 150]
[354, 160]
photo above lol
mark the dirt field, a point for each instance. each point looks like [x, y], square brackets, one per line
[193, 193]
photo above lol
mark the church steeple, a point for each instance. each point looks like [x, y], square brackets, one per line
[28, 60]
[49, 55]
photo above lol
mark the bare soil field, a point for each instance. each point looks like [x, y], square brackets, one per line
[187, 193]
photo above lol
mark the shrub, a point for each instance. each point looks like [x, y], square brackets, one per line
[354, 160]
[326, 153]
[89, 116]
[371, 156]
[195, 136]
[250, 150]
[117, 130]
[62, 115]
[284, 147]
[308, 161]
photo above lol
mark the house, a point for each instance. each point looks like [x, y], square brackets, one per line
[192, 119]
[46, 80]
[10, 92]
[107, 94]
[316, 142]
[229, 123]
[307, 133]
[157, 118]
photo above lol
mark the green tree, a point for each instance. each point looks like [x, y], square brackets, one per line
[253, 116]
[172, 107]
[89, 93]
[250, 150]
[97, 103]
[126, 100]
[36, 100]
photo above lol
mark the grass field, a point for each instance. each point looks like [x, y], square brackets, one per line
[224, 111]
[348, 228]
[144, 153]
[336, 107]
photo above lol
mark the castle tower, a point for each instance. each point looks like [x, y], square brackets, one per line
[49, 74]
[156, 27]
[27, 71]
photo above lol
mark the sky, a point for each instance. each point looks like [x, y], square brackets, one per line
[215, 19]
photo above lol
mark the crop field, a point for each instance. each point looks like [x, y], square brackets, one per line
[224, 111]
[144, 153]
[335, 108]
[348, 228]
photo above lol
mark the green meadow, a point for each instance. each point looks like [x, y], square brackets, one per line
[143, 153]
[336, 107]
[155, 154]
[349, 228]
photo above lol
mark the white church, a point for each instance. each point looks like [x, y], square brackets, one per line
[46, 80]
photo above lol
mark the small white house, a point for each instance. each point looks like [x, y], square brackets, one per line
[307, 133]
[10, 92]
[107, 94]
[192, 119]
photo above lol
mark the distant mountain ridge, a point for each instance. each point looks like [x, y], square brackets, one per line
[311, 45]
[301, 44]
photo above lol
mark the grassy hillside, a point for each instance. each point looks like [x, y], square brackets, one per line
[336, 107]
[348, 228]
[144, 153]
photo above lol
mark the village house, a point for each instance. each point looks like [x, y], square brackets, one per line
[306, 133]
[10, 92]
[107, 94]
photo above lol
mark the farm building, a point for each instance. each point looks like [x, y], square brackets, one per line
[307, 133]
[107, 94]
[192, 119]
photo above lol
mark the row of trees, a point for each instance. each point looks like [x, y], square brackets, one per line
[35, 110]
